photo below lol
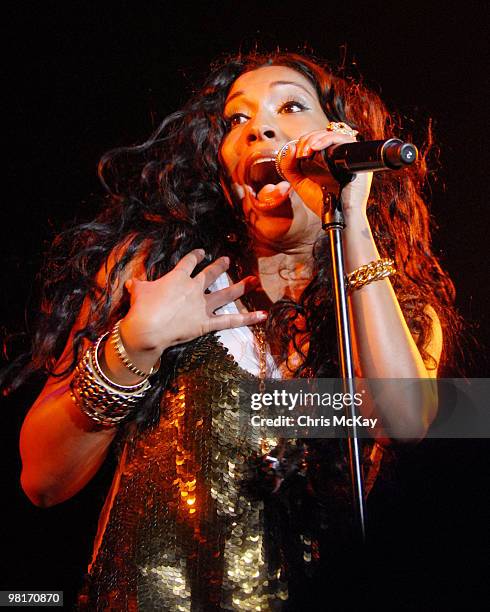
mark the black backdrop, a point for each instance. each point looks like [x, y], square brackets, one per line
[83, 77]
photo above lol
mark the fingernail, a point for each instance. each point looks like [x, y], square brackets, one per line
[261, 315]
[226, 260]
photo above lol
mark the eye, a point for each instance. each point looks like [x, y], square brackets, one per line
[236, 119]
[291, 106]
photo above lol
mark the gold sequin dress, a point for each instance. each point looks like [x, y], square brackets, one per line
[194, 520]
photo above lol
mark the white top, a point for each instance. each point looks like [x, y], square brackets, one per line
[240, 341]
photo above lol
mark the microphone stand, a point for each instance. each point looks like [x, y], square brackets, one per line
[333, 223]
[341, 163]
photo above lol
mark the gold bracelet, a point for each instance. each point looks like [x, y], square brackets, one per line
[103, 401]
[373, 271]
[124, 357]
[94, 356]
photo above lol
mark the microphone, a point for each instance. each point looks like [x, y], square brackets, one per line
[344, 160]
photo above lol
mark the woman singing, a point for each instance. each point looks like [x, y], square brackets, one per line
[206, 269]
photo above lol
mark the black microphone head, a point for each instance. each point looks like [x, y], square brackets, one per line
[397, 153]
[408, 153]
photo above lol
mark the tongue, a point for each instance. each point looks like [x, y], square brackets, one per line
[273, 193]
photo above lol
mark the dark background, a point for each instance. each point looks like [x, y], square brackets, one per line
[84, 77]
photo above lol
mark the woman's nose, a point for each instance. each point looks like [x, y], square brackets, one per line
[260, 132]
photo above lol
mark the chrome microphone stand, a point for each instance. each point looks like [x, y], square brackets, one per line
[342, 162]
[333, 223]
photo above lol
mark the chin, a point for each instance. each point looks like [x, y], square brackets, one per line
[285, 225]
[271, 229]
[270, 225]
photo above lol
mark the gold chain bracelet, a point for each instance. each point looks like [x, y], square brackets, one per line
[373, 271]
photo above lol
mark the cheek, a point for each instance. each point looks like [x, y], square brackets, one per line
[228, 156]
[310, 123]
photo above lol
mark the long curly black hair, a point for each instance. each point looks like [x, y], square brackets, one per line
[164, 198]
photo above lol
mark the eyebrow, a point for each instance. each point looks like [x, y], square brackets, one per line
[273, 84]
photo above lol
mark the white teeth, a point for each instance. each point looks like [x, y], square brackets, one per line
[264, 159]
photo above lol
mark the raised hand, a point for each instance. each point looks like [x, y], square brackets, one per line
[175, 308]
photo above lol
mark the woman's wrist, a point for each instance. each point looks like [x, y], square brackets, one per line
[114, 367]
[106, 401]
[359, 245]
[356, 220]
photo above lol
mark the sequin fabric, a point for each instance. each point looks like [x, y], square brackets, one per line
[204, 518]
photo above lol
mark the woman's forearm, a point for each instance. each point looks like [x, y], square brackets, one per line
[61, 448]
[383, 344]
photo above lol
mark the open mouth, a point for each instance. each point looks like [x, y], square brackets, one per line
[261, 173]
[267, 186]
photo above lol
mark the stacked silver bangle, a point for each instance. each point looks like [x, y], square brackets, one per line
[102, 400]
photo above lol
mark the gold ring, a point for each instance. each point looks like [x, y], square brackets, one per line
[341, 128]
